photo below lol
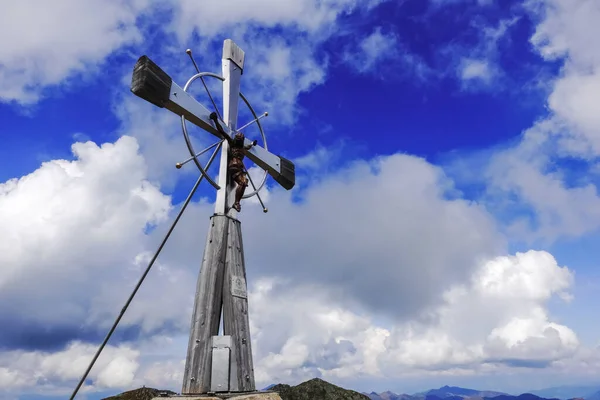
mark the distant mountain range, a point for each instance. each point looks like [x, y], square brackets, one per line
[458, 393]
[443, 393]
[569, 392]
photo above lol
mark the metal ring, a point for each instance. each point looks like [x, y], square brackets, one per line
[262, 134]
[186, 136]
[190, 147]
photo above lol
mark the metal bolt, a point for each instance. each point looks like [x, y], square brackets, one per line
[243, 340]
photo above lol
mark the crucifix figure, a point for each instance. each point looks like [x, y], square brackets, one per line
[236, 168]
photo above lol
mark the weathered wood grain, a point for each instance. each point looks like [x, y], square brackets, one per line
[235, 312]
[207, 309]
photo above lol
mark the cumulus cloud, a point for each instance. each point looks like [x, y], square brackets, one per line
[72, 234]
[69, 38]
[564, 33]
[380, 260]
[115, 368]
[78, 241]
[159, 135]
[559, 208]
[364, 295]
[498, 318]
[558, 205]
[495, 321]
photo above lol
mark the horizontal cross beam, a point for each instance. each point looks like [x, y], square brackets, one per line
[154, 85]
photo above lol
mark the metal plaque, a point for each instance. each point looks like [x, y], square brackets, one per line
[238, 287]
[221, 341]
[219, 379]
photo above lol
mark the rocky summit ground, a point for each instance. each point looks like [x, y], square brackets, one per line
[315, 389]
[139, 394]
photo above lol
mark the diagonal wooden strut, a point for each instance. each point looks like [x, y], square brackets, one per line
[221, 286]
[207, 309]
[235, 312]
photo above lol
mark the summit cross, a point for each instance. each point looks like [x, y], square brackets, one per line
[218, 363]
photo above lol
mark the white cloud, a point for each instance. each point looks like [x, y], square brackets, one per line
[278, 72]
[498, 318]
[72, 232]
[376, 47]
[77, 242]
[575, 98]
[560, 209]
[560, 205]
[311, 16]
[159, 135]
[366, 240]
[476, 70]
[382, 54]
[477, 66]
[279, 67]
[564, 33]
[55, 41]
[367, 252]
[317, 301]
[115, 368]
[81, 39]
[564, 30]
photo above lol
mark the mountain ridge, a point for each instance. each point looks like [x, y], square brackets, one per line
[318, 389]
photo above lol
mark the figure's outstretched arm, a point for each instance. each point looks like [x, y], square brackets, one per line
[215, 119]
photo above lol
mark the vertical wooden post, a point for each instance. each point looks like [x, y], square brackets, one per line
[235, 312]
[232, 65]
[207, 309]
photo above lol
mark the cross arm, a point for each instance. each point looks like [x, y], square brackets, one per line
[154, 85]
[282, 170]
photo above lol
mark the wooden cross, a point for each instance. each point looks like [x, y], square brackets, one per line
[217, 363]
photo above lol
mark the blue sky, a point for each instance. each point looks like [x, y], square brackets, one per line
[444, 224]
